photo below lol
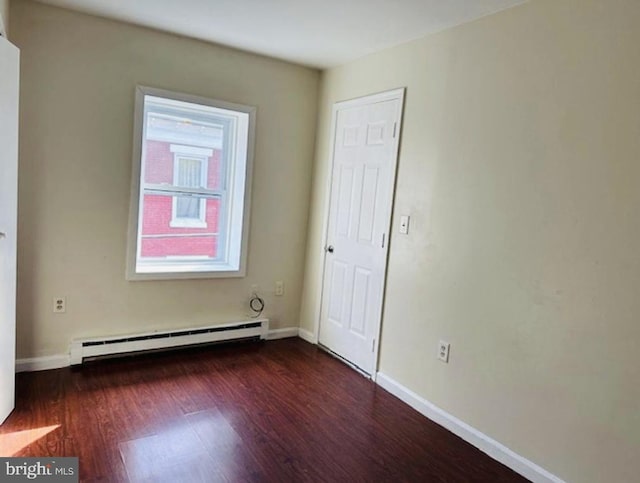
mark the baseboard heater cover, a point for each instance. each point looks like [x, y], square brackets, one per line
[82, 349]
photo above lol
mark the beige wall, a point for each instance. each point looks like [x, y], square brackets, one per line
[519, 167]
[78, 79]
[4, 13]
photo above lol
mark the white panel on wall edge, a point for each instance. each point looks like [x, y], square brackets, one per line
[3, 31]
[9, 85]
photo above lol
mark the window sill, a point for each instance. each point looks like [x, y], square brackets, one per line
[184, 271]
[177, 223]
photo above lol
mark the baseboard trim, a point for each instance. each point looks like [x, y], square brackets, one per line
[307, 336]
[282, 333]
[33, 364]
[484, 443]
[45, 363]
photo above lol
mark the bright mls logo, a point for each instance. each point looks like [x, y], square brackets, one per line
[54, 470]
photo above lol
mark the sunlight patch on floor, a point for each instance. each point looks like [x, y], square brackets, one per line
[12, 443]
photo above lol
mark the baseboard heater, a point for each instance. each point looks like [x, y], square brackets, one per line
[82, 349]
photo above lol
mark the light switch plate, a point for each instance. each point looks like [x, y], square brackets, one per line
[404, 224]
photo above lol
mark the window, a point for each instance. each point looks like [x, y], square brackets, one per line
[189, 213]
[189, 171]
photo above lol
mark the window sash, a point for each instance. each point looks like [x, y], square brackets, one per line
[236, 124]
[173, 190]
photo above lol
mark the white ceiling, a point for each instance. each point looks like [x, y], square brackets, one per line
[317, 33]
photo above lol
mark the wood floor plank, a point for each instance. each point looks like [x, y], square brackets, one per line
[277, 411]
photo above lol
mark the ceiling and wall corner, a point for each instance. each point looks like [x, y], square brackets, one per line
[317, 34]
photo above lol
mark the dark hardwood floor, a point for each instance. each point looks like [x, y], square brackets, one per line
[273, 411]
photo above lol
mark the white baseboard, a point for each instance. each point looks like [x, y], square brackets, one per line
[493, 448]
[33, 364]
[42, 363]
[282, 333]
[308, 336]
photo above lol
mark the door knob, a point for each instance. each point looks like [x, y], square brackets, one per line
[3, 234]
[330, 248]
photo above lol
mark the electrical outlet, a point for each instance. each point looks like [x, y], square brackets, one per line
[279, 288]
[60, 305]
[443, 351]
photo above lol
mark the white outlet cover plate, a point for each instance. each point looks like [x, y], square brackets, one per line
[60, 305]
[443, 351]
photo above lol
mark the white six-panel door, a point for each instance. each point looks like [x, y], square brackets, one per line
[9, 68]
[366, 133]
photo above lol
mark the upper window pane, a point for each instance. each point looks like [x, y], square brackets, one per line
[191, 196]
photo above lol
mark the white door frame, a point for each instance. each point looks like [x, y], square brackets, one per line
[398, 93]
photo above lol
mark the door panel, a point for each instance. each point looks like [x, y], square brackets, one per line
[336, 296]
[344, 201]
[364, 164]
[359, 302]
[368, 205]
[9, 61]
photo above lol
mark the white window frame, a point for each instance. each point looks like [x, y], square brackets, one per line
[235, 213]
[192, 153]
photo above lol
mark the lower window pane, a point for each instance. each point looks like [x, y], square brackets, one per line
[184, 247]
[164, 238]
